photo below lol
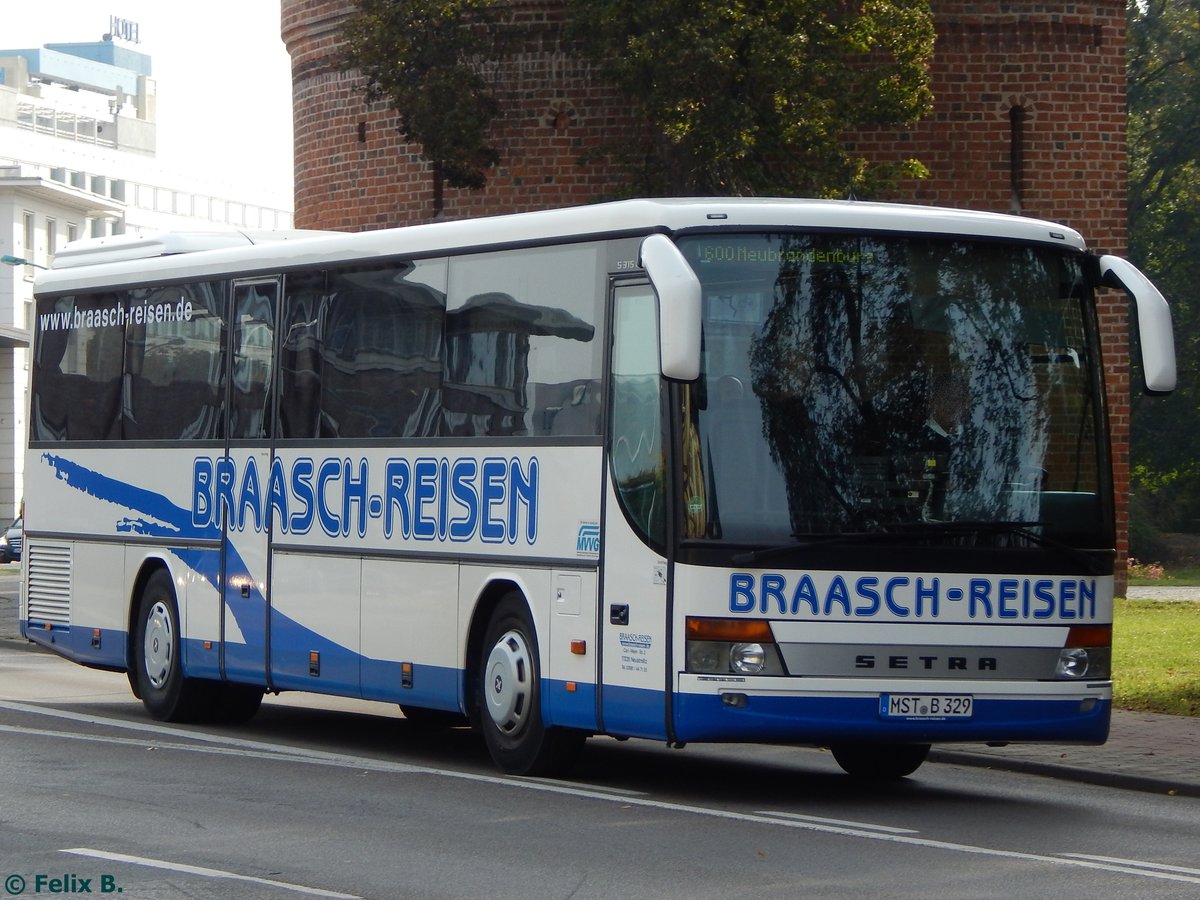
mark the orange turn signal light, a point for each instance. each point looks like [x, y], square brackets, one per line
[698, 629]
[1089, 636]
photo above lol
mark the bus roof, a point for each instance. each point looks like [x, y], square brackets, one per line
[106, 262]
[121, 247]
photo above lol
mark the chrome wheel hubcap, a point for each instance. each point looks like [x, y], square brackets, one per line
[508, 685]
[160, 631]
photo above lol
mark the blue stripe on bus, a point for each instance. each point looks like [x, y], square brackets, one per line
[81, 645]
[200, 661]
[827, 720]
[569, 707]
[433, 687]
[633, 712]
[342, 672]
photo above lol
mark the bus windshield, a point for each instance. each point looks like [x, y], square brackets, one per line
[906, 384]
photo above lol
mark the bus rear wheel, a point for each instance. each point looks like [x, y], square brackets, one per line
[879, 762]
[235, 704]
[166, 693]
[509, 691]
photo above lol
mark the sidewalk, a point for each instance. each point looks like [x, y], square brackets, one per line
[1145, 751]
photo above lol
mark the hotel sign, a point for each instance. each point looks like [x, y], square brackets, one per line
[123, 29]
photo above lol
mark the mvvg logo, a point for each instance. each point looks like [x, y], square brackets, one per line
[587, 542]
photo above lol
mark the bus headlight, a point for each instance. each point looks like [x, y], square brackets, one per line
[1084, 662]
[1086, 654]
[737, 646]
[749, 659]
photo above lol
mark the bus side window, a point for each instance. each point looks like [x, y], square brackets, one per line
[379, 351]
[77, 394]
[48, 403]
[522, 355]
[174, 365]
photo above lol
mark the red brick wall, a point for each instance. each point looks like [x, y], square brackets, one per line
[354, 171]
[1061, 63]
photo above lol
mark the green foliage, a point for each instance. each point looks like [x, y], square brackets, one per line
[754, 96]
[1145, 538]
[1156, 656]
[1164, 115]
[742, 97]
[1164, 207]
[427, 58]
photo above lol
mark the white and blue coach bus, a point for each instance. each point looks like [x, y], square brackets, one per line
[818, 473]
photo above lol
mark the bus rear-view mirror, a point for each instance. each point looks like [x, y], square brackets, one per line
[679, 306]
[1153, 321]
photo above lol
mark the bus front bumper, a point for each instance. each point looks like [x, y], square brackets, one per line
[910, 711]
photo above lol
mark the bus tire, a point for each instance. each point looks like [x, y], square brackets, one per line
[510, 708]
[879, 762]
[158, 662]
[235, 704]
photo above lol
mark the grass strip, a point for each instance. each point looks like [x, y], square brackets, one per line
[1156, 656]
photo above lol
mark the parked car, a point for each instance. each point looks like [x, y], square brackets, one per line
[10, 543]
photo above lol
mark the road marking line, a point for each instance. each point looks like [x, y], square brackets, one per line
[177, 732]
[887, 829]
[599, 788]
[205, 872]
[298, 754]
[1134, 862]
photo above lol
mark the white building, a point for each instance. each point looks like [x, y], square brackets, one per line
[78, 159]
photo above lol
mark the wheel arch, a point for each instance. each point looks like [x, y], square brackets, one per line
[485, 604]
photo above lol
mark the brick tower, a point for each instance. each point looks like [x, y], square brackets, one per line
[1029, 118]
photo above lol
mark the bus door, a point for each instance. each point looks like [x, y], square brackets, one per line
[243, 482]
[634, 567]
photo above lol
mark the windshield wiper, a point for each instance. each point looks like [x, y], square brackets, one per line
[825, 540]
[1022, 530]
[923, 533]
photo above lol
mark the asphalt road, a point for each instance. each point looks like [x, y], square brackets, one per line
[322, 797]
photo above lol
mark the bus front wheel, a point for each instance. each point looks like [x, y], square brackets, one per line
[158, 663]
[510, 698]
[879, 761]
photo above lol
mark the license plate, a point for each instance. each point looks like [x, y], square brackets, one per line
[926, 706]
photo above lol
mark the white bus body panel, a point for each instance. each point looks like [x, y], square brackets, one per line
[364, 602]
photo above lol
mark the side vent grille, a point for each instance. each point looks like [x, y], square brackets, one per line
[49, 583]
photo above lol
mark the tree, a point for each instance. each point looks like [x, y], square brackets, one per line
[427, 58]
[755, 96]
[1164, 216]
[736, 97]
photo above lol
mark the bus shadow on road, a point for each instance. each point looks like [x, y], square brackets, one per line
[758, 775]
